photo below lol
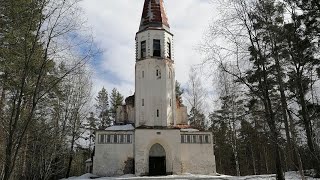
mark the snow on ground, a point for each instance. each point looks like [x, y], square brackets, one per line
[127, 127]
[289, 176]
[189, 130]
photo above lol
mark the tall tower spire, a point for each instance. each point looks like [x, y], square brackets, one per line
[154, 15]
[155, 99]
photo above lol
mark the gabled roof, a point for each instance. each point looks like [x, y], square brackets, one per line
[154, 15]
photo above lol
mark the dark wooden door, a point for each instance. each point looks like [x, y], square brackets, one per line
[157, 166]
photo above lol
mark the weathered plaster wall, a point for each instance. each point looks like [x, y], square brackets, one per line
[110, 159]
[181, 115]
[168, 139]
[154, 92]
[198, 158]
[121, 114]
[130, 113]
[125, 114]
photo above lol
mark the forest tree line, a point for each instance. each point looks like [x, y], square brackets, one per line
[46, 90]
[265, 56]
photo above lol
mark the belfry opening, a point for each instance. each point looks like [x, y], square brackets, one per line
[157, 160]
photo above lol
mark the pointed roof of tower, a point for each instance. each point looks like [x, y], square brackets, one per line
[154, 15]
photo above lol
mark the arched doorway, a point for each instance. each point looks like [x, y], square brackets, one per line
[157, 160]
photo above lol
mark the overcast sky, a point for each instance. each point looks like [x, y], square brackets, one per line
[114, 24]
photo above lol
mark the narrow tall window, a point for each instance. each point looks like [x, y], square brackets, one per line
[142, 102]
[182, 138]
[158, 74]
[143, 49]
[156, 48]
[102, 137]
[115, 139]
[142, 74]
[128, 138]
[122, 138]
[207, 139]
[170, 102]
[169, 50]
[157, 112]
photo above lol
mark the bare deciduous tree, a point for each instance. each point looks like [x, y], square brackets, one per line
[37, 35]
[196, 97]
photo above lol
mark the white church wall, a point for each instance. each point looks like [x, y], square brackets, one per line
[168, 139]
[197, 155]
[113, 158]
[154, 96]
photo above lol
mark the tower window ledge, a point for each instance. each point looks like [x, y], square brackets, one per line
[141, 59]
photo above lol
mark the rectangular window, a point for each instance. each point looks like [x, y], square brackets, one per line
[188, 139]
[206, 139]
[121, 138]
[157, 112]
[182, 139]
[128, 138]
[169, 50]
[142, 74]
[102, 138]
[194, 139]
[143, 49]
[111, 139]
[115, 139]
[156, 48]
[142, 102]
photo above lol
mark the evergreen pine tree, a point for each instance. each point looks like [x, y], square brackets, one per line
[102, 107]
[116, 99]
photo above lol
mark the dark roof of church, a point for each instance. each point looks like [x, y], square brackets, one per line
[154, 15]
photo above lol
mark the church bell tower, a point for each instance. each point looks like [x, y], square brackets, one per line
[155, 99]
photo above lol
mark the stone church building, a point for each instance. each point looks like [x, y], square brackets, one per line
[152, 135]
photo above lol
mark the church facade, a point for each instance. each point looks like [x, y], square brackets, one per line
[152, 135]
